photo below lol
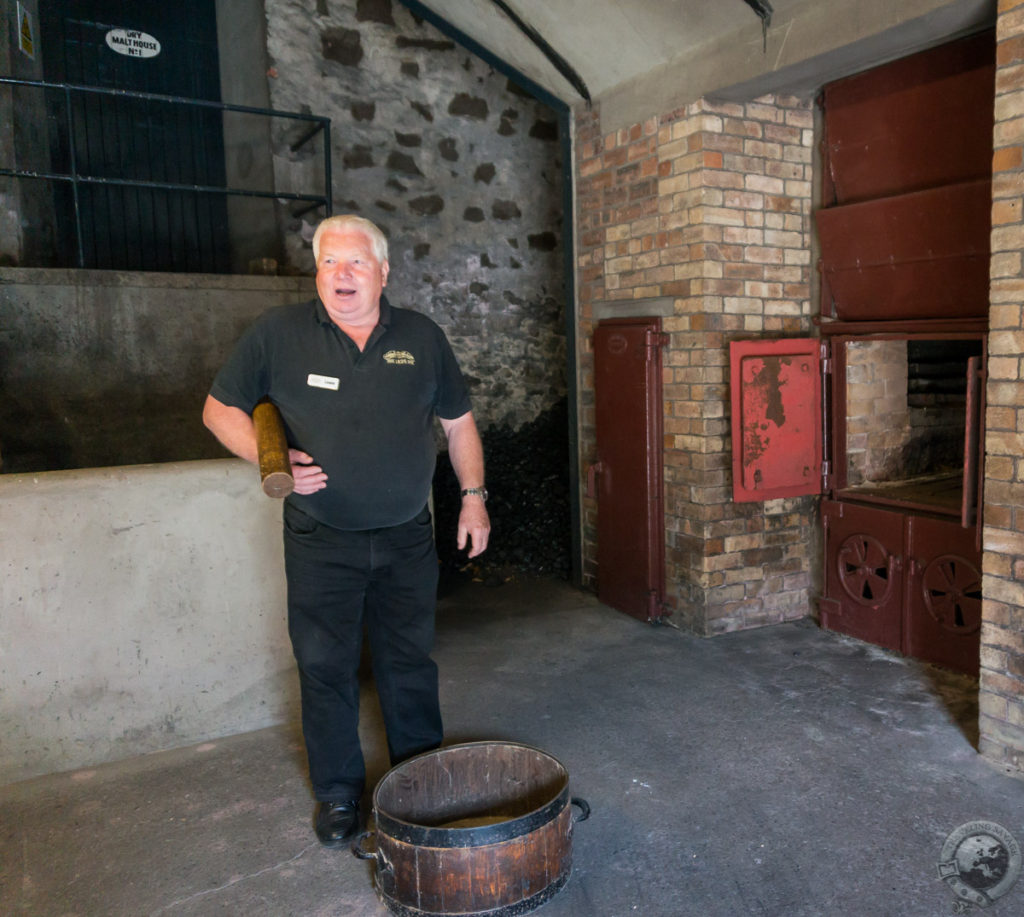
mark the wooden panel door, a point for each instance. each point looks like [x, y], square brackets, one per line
[627, 478]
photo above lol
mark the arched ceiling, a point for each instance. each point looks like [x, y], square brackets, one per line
[638, 57]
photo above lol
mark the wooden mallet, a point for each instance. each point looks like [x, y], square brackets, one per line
[272, 449]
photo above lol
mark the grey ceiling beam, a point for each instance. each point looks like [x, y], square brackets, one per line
[764, 10]
[559, 62]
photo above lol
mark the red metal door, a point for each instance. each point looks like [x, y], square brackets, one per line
[943, 605]
[776, 418]
[907, 582]
[905, 222]
[863, 573]
[897, 574]
[627, 478]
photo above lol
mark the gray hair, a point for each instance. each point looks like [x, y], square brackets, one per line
[349, 221]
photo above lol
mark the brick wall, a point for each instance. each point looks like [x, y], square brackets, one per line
[878, 417]
[709, 205]
[1002, 632]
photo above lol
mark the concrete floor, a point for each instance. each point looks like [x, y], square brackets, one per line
[784, 771]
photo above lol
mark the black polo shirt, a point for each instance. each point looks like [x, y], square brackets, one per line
[365, 417]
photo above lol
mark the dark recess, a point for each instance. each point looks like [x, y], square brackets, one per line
[528, 482]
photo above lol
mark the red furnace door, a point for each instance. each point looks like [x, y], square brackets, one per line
[627, 478]
[864, 550]
[906, 582]
[902, 562]
[942, 623]
[776, 418]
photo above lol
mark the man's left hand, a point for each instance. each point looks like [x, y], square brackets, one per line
[474, 526]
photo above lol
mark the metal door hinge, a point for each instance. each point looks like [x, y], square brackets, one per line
[654, 341]
[657, 611]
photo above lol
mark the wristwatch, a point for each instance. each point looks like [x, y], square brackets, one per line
[480, 492]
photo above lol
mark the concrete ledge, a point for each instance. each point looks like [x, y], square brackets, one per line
[143, 608]
[662, 306]
[72, 277]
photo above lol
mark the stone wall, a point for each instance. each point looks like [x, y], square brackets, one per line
[710, 205]
[1002, 629]
[459, 168]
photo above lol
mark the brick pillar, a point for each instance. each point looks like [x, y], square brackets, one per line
[710, 205]
[1002, 629]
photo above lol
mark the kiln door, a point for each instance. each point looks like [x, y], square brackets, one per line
[863, 573]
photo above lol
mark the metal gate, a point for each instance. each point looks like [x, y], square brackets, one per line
[168, 49]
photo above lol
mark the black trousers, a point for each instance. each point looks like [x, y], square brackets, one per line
[339, 582]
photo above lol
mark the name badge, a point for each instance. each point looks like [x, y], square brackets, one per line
[318, 381]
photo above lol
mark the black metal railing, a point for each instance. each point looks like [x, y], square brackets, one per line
[73, 148]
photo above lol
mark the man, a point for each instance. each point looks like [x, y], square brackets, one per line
[358, 383]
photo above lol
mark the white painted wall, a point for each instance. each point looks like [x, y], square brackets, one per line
[141, 608]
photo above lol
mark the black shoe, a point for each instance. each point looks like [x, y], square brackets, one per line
[336, 822]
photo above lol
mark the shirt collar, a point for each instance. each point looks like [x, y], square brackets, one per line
[384, 319]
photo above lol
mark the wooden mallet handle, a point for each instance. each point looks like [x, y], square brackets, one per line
[272, 448]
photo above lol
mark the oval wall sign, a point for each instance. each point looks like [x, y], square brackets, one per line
[131, 43]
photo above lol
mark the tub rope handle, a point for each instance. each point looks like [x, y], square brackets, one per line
[584, 808]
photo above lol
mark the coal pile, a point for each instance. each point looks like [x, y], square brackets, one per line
[528, 485]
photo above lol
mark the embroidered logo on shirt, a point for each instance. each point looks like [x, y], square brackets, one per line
[317, 381]
[402, 357]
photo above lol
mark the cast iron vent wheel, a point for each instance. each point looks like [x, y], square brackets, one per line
[952, 593]
[864, 564]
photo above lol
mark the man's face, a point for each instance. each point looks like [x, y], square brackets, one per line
[349, 278]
